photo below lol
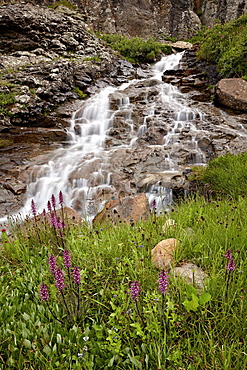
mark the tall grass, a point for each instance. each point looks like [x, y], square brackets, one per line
[182, 328]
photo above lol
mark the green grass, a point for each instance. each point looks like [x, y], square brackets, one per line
[225, 175]
[111, 330]
[137, 50]
[225, 45]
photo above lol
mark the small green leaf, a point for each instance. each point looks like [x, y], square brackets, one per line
[190, 290]
[47, 350]
[204, 298]
[27, 343]
[59, 338]
[191, 305]
[26, 316]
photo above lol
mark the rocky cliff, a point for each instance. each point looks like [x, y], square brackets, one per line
[174, 18]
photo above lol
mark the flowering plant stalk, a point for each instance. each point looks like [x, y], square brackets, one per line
[135, 291]
[230, 268]
[67, 281]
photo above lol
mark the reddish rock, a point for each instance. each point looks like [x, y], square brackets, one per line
[232, 93]
[163, 253]
[133, 208]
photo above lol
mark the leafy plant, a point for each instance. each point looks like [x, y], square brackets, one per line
[79, 92]
[137, 50]
[225, 45]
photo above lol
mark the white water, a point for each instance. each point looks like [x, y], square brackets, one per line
[80, 170]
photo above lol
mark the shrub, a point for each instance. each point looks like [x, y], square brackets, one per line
[137, 50]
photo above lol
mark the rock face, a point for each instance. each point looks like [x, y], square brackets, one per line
[223, 10]
[144, 18]
[232, 93]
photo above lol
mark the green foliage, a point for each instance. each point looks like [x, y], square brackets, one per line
[94, 58]
[186, 328]
[6, 98]
[225, 45]
[4, 143]
[227, 175]
[64, 3]
[79, 92]
[194, 300]
[137, 50]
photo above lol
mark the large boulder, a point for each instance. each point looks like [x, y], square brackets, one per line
[128, 209]
[232, 93]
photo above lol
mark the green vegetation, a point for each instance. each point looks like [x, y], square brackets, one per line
[225, 45]
[116, 314]
[64, 3]
[137, 50]
[4, 143]
[79, 92]
[94, 58]
[226, 175]
[6, 98]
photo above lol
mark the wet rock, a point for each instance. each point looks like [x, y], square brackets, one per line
[192, 274]
[232, 93]
[128, 209]
[163, 253]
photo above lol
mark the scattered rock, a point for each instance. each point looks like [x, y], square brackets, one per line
[192, 274]
[163, 253]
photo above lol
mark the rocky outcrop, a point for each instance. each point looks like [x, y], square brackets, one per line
[223, 10]
[145, 18]
[232, 93]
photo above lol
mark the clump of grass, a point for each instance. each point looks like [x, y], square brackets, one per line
[94, 58]
[226, 175]
[225, 45]
[137, 50]
[79, 92]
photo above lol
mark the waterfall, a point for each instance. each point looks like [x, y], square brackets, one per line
[83, 171]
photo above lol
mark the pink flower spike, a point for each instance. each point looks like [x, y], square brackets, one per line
[135, 290]
[52, 264]
[44, 293]
[33, 208]
[76, 275]
[67, 258]
[53, 201]
[60, 197]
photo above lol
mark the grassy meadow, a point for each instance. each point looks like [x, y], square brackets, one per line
[88, 297]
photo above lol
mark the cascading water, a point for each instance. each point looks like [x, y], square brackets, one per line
[84, 171]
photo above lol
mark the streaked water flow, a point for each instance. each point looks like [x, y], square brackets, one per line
[80, 171]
